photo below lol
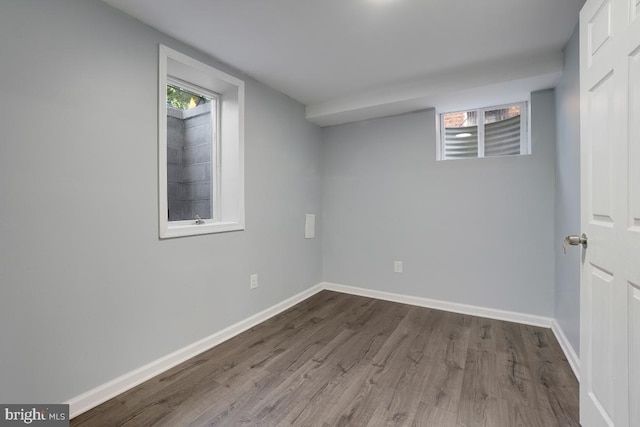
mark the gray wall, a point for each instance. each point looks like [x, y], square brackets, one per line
[567, 211]
[476, 231]
[89, 292]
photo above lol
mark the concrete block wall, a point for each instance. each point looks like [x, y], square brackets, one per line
[189, 172]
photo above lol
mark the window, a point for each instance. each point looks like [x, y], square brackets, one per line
[201, 150]
[484, 132]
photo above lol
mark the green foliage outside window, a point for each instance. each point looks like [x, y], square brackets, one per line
[183, 100]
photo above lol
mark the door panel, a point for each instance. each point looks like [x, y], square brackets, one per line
[635, 8]
[634, 146]
[634, 345]
[599, 28]
[600, 288]
[600, 111]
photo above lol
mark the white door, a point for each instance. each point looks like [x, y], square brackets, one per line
[610, 211]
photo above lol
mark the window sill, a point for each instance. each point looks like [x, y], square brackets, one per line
[184, 228]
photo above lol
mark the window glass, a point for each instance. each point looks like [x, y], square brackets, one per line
[461, 134]
[502, 131]
[190, 163]
[484, 132]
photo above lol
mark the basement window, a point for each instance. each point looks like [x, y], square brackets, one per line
[200, 148]
[484, 132]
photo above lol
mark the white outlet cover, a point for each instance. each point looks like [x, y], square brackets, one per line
[397, 266]
[253, 281]
[310, 226]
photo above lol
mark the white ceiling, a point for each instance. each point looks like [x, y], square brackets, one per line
[350, 60]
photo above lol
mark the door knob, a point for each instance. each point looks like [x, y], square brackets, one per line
[575, 240]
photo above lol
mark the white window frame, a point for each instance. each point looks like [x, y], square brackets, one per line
[227, 148]
[525, 146]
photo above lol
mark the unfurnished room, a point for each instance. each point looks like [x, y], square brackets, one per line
[320, 213]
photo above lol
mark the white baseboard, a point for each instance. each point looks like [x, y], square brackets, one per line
[567, 348]
[509, 316]
[104, 392]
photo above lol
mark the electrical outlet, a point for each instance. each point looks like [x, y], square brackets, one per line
[253, 281]
[397, 266]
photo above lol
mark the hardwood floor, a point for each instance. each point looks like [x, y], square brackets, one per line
[337, 359]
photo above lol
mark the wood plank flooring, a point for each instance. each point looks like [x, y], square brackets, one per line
[337, 359]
